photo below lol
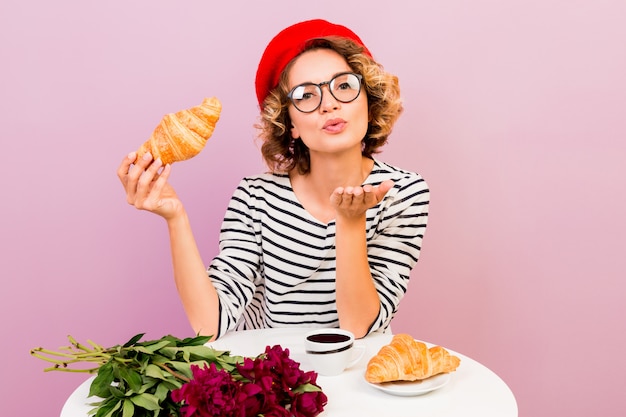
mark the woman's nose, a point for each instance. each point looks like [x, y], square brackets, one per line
[329, 103]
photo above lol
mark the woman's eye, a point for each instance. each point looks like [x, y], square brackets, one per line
[304, 93]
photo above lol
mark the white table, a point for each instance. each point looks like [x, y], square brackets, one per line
[473, 389]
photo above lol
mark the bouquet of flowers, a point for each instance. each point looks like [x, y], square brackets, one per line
[170, 377]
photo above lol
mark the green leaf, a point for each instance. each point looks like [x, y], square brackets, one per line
[133, 340]
[161, 392]
[107, 409]
[142, 349]
[184, 368]
[132, 378]
[198, 352]
[154, 371]
[148, 385]
[149, 349]
[100, 385]
[116, 370]
[172, 383]
[196, 341]
[147, 401]
[186, 353]
[226, 366]
[306, 388]
[129, 408]
[169, 337]
[168, 352]
[155, 347]
[206, 352]
[116, 392]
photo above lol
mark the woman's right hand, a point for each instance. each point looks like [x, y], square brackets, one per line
[145, 182]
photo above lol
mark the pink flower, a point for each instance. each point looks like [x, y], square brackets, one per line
[270, 385]
[211, 392]
[308, 404]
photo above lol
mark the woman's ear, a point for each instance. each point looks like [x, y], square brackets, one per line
[294, 132]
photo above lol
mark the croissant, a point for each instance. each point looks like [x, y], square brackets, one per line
[406, 359]
[182, 135]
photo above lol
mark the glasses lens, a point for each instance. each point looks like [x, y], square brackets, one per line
[345, 87]
[306, 97]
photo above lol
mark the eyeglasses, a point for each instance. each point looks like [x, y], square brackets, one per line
[344, 87]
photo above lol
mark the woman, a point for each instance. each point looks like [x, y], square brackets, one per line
[329, 236]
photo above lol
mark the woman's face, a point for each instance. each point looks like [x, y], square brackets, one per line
[334, 127]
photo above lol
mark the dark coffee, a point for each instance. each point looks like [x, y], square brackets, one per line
[328, 338]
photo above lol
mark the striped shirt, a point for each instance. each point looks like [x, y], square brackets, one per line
[276, 265]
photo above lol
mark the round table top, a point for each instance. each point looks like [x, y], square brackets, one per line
[471, 390]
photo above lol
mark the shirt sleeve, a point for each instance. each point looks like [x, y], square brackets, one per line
[394, 244]
[235, 271]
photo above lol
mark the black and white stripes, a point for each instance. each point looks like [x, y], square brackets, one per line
[276, 265]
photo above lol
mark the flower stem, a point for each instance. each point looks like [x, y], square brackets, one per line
[63, 369]
[174, 373]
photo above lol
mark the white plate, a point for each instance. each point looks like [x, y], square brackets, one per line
[412, 388]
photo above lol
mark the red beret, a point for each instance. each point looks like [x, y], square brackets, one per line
[288, 44]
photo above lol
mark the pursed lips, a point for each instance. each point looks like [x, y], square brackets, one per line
[334, 125]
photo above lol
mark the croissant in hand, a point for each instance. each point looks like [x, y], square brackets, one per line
[182, 135]
[406, 359]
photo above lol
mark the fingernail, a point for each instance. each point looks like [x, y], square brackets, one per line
[132, 156]
[147, 156]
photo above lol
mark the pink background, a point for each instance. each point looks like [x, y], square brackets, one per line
[515, 114]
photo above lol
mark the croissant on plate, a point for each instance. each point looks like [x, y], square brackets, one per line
[406, 359]
[182, 135]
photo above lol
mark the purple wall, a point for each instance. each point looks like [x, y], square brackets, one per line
[514, 114]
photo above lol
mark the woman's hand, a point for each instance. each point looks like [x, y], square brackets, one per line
[353, 202]
[146, 185]
[358, 302]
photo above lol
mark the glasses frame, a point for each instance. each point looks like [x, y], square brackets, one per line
[320, 85]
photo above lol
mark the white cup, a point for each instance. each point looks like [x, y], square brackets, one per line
[330, 351]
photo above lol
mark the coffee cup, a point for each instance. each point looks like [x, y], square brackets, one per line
[330, 351]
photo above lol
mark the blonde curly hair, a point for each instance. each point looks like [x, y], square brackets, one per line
[282, 154]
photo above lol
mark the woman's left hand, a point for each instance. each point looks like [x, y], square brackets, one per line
[353, 202]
